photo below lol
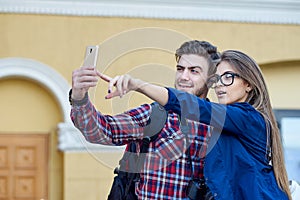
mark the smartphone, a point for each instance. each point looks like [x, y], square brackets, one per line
[91, 55]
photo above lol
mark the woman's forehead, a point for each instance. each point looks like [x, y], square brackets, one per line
[224, 66]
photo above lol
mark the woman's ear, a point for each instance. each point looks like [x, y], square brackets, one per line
[248, 88]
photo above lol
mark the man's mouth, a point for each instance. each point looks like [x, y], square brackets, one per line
[184, 86]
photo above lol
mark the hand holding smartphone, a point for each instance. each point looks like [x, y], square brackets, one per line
[91, 55]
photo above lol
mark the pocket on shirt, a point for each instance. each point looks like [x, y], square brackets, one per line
[199, 137]
[170, 145]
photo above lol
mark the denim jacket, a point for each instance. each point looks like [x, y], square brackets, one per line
[236, 165]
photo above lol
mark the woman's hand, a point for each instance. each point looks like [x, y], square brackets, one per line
[123, 84]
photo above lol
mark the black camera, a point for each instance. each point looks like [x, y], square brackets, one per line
[197, 189]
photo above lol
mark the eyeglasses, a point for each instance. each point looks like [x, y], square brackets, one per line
[226, 79]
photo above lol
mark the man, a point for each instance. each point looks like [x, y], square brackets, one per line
[172, 161]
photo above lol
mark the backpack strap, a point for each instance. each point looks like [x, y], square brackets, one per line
[156, 123]
[158, 118]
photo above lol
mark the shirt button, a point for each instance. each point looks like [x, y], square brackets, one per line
[215, 194]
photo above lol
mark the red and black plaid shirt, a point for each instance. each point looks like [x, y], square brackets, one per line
[167, 169]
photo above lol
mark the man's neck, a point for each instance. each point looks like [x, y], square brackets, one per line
[203, 95]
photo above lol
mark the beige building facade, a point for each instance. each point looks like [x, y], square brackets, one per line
[41, 154]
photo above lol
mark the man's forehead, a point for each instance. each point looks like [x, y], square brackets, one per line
[192, 60]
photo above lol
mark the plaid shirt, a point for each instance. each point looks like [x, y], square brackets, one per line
[167, 169]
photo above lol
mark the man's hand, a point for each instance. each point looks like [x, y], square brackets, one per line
[82, 79]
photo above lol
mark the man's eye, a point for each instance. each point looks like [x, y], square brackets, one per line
[194, 71]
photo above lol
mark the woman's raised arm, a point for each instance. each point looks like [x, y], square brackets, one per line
[125, 83]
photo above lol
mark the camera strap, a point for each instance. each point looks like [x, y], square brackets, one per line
[197, 188]
[185, 130]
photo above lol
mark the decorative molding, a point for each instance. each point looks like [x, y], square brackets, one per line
[41, 73]
[69, 138]
[255, 11]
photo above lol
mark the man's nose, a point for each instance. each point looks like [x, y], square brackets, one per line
[185, 74]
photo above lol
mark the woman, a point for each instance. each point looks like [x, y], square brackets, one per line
[246, 161]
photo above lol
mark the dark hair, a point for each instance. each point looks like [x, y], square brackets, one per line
[201, 48]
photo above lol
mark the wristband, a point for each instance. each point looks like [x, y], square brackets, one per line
[77, 102]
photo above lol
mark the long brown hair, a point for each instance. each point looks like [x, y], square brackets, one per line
[259, 98]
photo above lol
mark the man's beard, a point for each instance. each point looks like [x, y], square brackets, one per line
[200, 92]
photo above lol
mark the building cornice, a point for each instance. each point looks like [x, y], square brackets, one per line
[254, 11]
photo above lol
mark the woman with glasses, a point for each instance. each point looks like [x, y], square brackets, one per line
[246, 157]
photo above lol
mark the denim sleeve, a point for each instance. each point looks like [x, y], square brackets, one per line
[233, 118]
[189, 106]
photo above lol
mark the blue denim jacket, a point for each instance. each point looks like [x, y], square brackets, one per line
[236, 165]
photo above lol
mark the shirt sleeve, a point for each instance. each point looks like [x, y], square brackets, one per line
[234, 118]
[110, 130]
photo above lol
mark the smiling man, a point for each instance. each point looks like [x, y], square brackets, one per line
[172, 162]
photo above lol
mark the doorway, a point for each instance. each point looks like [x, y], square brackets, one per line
[24, 166]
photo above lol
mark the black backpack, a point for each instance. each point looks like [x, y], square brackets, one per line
[123, 187]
